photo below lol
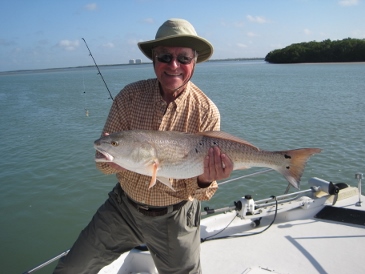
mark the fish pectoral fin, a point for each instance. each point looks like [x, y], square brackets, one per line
[166, 182]
[154, 175]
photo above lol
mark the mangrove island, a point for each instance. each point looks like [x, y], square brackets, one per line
[346, 50]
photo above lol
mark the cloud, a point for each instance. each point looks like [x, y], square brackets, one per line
[6, 43]
[109, 45]
[252, 34]
[148, 20]
[232, 24]
[133, 41]
[68, 45]
[276, 46]
[91, 7]
[239, 24]
[240, 45]
[358, 33]
[43, 42]
[256, 19]
[347, 3]
[307, 31]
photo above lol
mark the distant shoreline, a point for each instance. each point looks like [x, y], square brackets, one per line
[144, 63]
[114, 65]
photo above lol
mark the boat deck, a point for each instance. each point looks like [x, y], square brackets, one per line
[297, 241]
[308, 245]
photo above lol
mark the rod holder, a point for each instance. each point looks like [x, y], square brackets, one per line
[359, 176]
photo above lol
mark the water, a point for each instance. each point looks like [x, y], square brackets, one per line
[49, 185]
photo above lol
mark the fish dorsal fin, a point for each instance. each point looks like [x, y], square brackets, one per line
[226, 136]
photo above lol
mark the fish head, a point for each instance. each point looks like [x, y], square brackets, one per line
[128, 149]
[104, 146]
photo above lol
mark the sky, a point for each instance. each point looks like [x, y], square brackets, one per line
[41, 34]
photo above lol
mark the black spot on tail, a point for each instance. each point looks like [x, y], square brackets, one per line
[287, 156]
[288, 167]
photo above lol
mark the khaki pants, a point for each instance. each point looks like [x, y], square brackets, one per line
[173, 239]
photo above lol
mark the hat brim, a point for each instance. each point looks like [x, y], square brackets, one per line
[202, 46]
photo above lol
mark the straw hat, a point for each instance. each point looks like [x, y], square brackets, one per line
[178, 33]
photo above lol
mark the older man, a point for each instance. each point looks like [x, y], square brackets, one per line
[166, 220]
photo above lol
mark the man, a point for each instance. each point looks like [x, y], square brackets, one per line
[166, 220]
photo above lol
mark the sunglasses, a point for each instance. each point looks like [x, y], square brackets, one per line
[168, 57]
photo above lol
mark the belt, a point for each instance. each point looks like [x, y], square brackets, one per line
[155, 211]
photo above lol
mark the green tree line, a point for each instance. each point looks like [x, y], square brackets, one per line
[346, 50]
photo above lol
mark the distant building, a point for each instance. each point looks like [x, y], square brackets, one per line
[132, 61]
[138, 61]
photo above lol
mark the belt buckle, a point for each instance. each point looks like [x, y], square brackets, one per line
[142, 207]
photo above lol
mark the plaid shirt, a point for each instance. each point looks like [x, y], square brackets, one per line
[140, 106]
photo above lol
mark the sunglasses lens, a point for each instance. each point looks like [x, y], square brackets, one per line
[184, 59]
[167, 58]
[164, 58]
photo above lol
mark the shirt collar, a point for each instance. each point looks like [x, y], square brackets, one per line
[178, 102]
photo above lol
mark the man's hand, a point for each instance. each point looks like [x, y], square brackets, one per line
[217, 166]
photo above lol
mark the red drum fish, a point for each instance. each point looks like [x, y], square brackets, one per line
[165, 155]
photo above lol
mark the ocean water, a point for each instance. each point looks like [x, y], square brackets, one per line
[50, 187]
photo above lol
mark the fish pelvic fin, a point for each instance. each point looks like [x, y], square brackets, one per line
[295, 163]
[154, 175]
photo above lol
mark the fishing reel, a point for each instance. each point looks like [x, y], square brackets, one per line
[245, 206]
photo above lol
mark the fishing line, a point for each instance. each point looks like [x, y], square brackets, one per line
[84, 92]
[99, 72]
[245, 176]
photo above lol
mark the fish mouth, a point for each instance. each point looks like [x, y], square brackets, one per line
[103, 156]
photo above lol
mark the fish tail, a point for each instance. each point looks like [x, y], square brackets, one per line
[295, 161]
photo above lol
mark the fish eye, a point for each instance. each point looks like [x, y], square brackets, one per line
[114, 143]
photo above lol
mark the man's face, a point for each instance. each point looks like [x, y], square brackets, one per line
[173, 66]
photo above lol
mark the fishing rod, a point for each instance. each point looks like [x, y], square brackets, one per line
[99, 72]
[47, 262]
